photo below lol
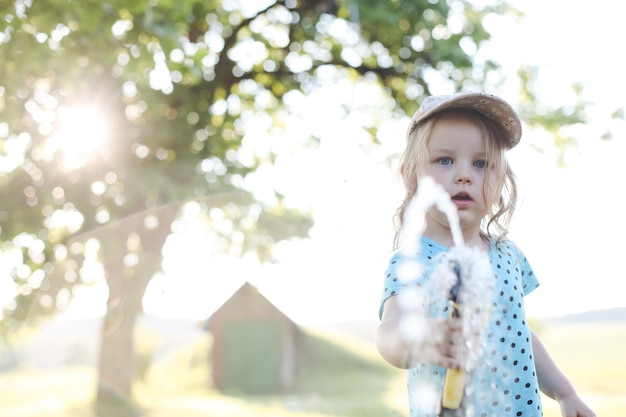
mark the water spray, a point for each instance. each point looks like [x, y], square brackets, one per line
[464, 278]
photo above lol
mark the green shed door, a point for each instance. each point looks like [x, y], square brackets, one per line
[252, 357]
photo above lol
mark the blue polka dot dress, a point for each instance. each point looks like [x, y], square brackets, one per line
[504, 382]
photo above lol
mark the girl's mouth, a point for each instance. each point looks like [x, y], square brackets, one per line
[462, 199]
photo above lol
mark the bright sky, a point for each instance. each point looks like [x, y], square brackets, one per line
[568, 224]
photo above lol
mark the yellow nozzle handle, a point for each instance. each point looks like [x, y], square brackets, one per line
[453, 386]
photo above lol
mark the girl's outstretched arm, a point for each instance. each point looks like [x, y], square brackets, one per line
[555, 384]
[437, 341]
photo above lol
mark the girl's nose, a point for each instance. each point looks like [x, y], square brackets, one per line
[462, 178]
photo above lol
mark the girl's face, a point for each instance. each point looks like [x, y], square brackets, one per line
[457, 159]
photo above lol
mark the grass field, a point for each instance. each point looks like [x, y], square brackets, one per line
[593, 356]
[344, 377]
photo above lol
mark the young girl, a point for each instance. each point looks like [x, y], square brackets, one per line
[460, 142]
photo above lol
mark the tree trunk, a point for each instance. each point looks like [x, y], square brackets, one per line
[127, 283]
[117, 365]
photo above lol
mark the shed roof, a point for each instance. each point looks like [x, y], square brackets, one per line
[246, 303]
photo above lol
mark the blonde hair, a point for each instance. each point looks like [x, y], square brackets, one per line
[414, 163]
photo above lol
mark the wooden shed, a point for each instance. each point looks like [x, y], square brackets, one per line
[254, 345]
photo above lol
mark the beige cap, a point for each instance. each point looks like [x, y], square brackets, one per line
[491, 106]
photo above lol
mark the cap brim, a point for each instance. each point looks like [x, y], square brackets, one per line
[489, 105]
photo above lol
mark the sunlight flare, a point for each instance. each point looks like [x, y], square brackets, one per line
[80, 132]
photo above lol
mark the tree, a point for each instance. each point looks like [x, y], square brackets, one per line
[176, 84]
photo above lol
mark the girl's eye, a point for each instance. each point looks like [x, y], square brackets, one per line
[445, 161]
[480, 164]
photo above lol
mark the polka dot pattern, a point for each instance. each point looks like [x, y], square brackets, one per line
[504, 382]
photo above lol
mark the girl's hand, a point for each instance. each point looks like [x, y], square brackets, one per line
[573, 406]
[442, 343]
[406, 340]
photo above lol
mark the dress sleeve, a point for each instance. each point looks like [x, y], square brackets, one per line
[416, 270]
[391, 284]
[529, 279]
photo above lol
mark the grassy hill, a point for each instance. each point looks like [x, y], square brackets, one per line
[340, 374]
[337, 376]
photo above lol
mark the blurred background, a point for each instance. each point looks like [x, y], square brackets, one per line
[196, 197]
